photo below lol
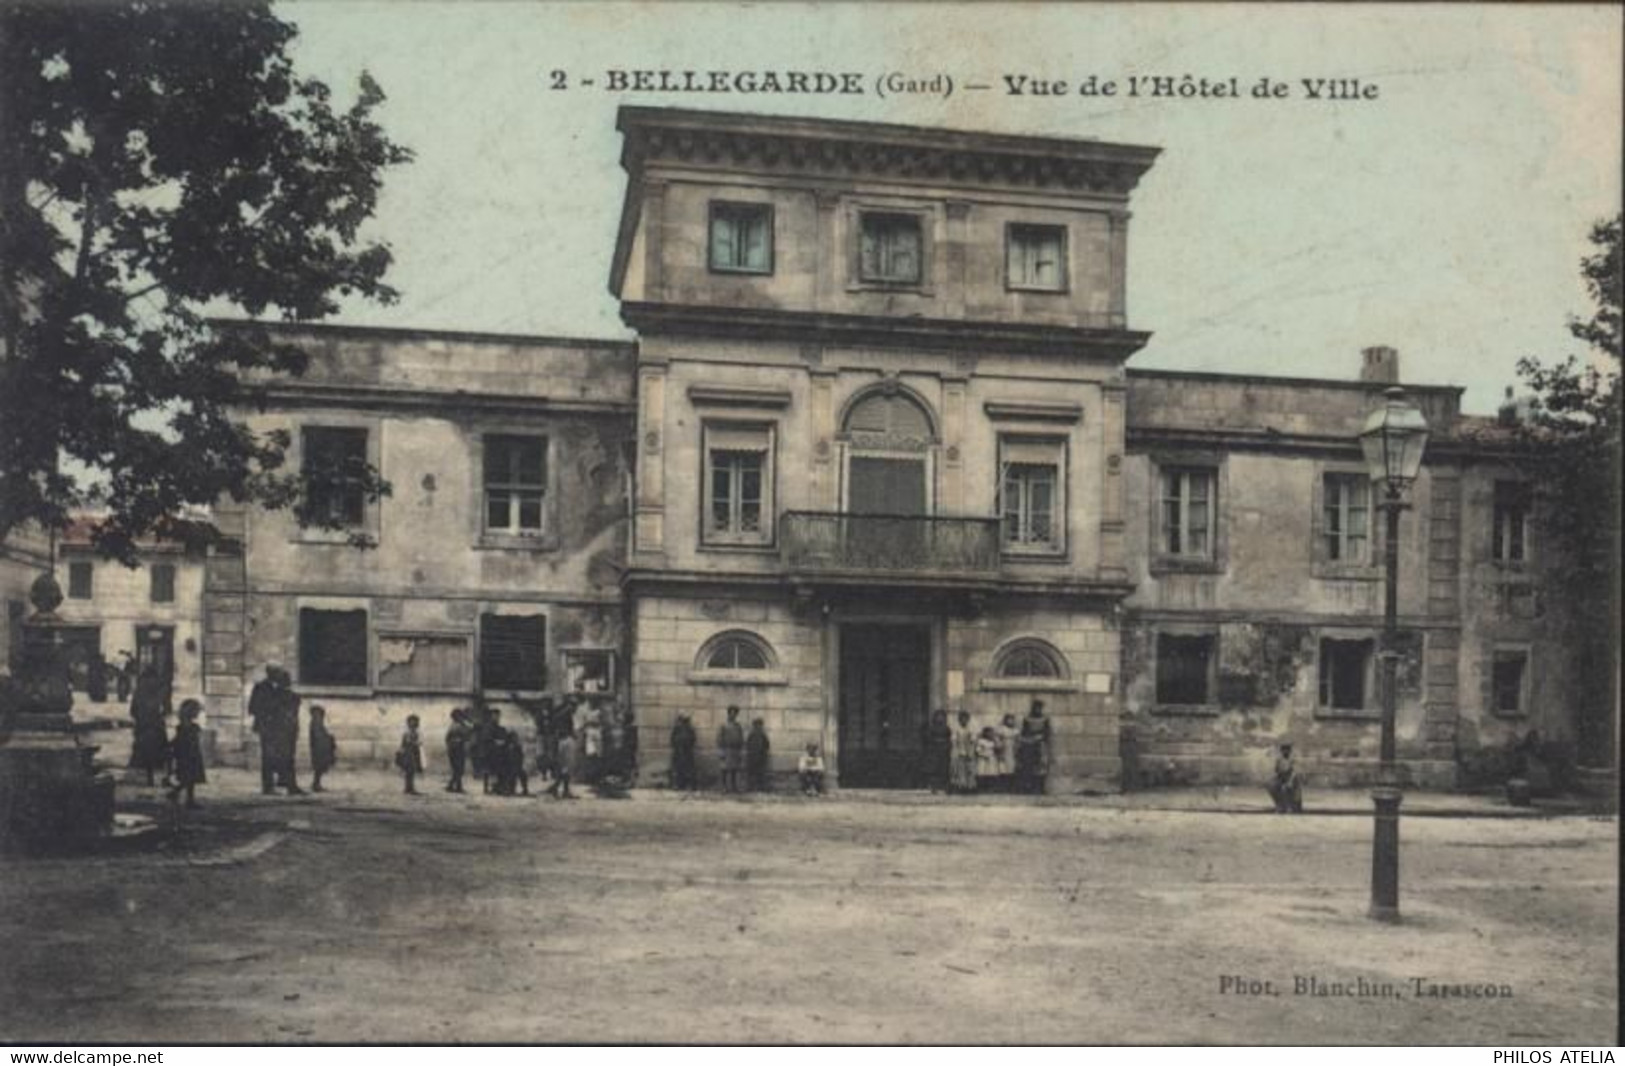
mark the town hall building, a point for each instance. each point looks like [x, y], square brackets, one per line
[878, 450]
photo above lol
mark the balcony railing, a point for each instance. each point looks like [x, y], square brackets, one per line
[831, 540]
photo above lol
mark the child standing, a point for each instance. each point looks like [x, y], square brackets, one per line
[187, 749]
[731, 748]
[987, 758]
[756, 752]
[410, 756]
[324, 750]
[457, 737]
[810, 768]
[560, 787]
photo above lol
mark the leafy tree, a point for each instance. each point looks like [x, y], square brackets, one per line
[161, 162]
[1572, 444]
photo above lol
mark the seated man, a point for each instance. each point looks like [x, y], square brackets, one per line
[1286, 788]
[810, 767]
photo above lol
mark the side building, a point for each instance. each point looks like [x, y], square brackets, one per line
[493, 567]
[1258, 575]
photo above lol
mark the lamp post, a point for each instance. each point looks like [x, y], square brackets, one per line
[1393, 441]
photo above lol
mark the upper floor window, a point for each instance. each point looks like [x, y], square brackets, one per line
[1346, 521]
[1030, 494]
[1509, 541]
[891, 248]
[738, 484]
[742, 238]
[1035, 257]
[515, 483]
[1187, 511]
[334, 458]
[81, 580]
[163, 583]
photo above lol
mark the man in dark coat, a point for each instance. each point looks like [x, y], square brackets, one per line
[731, 749]
[683, 742]
[274, 706]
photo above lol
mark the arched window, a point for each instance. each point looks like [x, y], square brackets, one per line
[735, 651]
[1030, 660]
[894, 421]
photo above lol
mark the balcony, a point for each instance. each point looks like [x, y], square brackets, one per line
[831, 541]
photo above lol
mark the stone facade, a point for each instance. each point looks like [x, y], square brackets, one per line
[492, 567]
[876, 452]
[887, 413]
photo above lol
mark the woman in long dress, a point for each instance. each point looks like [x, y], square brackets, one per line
[962, 767]
[150, 749]
[1032, 750]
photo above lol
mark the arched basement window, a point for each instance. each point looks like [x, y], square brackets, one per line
[1030, 660]
[735, 650]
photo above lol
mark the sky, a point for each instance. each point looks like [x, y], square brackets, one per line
[1446, 217]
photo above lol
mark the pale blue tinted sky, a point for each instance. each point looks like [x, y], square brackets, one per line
[1445, 218]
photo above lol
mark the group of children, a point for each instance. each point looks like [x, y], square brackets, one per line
[1006, 757]
[577, 737]
[180, 756]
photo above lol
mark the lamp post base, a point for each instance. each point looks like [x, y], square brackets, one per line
[1385, 855]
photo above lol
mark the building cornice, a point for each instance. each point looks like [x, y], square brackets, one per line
[880, 331]
[642, 579]
[305, 394]
[845, 150]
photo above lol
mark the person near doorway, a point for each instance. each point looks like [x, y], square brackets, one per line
[756, 756]
[149, 751]
[409, 757]
[188, 751]
[987, 759]
[683, 745]
[457, 737]
[1008, 732]
[938, 749]
[731, 750]
[810, 770]
[1033, 750]
[962, 767]
[324, 750]
[124, 676]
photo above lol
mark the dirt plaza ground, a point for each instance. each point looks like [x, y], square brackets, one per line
[363, 915]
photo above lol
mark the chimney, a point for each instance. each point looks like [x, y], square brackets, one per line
[1380, 365]
[1507, 413]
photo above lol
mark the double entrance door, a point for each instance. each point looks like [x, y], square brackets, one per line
[885, 691]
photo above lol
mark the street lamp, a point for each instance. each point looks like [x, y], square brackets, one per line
[1393, 440]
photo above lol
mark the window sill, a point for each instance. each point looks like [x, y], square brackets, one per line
[539, 542]
[339, 537]
[1029, 684]
[1038, 290]
[1016, 554]
[737, 677]
[1348, 714]
[1507, 570]
[1175, 564]
[1326, 571]
[747, 272]
[762, 547]
[884, 285]
[1187, 710]
[307, 690]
